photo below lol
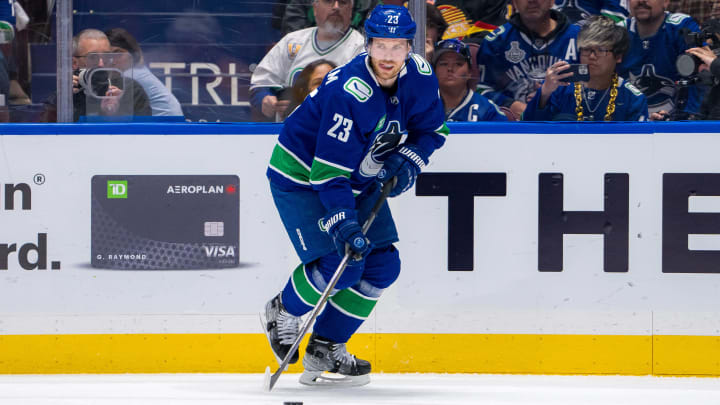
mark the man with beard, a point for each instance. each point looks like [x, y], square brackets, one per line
[332, 39]
[656, 41]
[513, 58]
[332, 153]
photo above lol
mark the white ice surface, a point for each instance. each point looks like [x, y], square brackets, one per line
[449, 389]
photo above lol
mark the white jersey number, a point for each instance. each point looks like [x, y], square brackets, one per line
[344, 133]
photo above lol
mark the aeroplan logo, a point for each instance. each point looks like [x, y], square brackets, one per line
[219, 251]
[117, 189]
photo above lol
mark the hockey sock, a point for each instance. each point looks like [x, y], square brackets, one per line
[300, 294]
[345, 312]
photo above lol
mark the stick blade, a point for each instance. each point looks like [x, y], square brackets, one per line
[266, 383]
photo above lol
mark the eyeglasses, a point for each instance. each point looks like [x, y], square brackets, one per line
[598, 52]
[341, 3]
[93, 58]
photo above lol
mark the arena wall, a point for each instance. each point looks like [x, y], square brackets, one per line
[528, 248]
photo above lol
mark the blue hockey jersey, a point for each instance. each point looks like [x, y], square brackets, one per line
[475, 107]
[512, 60]
[336, 141]
[630, 105]
[650, 62]
[577, 10]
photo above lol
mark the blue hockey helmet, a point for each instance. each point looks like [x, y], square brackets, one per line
[387, 21]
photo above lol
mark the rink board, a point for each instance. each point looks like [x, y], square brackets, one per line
[631, 287]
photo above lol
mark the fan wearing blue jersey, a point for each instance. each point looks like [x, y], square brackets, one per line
[578, 10]
[375, 118]
[452, 67]
[606, 96]
[513, 58]
[656, 41]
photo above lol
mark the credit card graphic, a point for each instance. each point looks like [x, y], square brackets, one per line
[156, 222]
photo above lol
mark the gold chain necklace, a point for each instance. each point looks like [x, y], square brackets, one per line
[611, 103]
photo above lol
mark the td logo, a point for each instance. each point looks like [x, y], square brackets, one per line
[117, 189]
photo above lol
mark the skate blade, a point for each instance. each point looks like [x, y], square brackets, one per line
[319, 378]
[266, 383]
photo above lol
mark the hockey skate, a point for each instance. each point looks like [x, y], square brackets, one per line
[281, 329]
[323, 355]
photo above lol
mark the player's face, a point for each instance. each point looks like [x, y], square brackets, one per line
[333, 15]
[534, 9]
[648, 10]
[452, 71]
[600, 60]
[388, 57]
[317, 76]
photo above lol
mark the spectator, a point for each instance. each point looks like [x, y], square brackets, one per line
[91, 49]
[332, 39]
[655, 43]
[435, 27]
[578, 10]
[452, 68]
[162, 101]
[699, 10]
[308, 80]
[300, 14]
[606, 96]
[513, 58]
[471, 20]
[710, 107]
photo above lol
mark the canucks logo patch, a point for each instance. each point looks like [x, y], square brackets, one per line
[359, 89]
[293, 50]
[383, 144]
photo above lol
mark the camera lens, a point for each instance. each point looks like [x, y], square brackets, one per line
[687, 64]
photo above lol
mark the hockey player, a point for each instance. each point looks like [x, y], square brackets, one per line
[513, 58]
[324, 174]
[605, 97]
[452, 67]
[577, 10]
[332, 39]
[655, 43]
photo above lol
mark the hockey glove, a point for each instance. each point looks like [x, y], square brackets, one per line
[404, 163]
[343, 227]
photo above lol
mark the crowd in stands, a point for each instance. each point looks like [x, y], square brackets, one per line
[495, 60]
[591, 60]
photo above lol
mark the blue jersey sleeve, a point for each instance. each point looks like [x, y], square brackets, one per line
[338, 151]
[560, 106]
[426, 118]
[490, 110]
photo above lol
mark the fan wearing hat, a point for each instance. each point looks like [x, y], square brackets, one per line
[452, 68]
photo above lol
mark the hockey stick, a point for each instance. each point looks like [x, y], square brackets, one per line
[270, 380]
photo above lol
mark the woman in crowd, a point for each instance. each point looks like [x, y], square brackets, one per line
[605, 97]
[309, 79]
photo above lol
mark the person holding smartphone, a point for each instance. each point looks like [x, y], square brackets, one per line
[592, 90]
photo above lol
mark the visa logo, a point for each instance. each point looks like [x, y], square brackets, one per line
[219, 251]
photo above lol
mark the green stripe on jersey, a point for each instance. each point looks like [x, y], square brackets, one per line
[286, 163]
[323, 171]
[352, 303]
[303, 287]
[443, 130]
